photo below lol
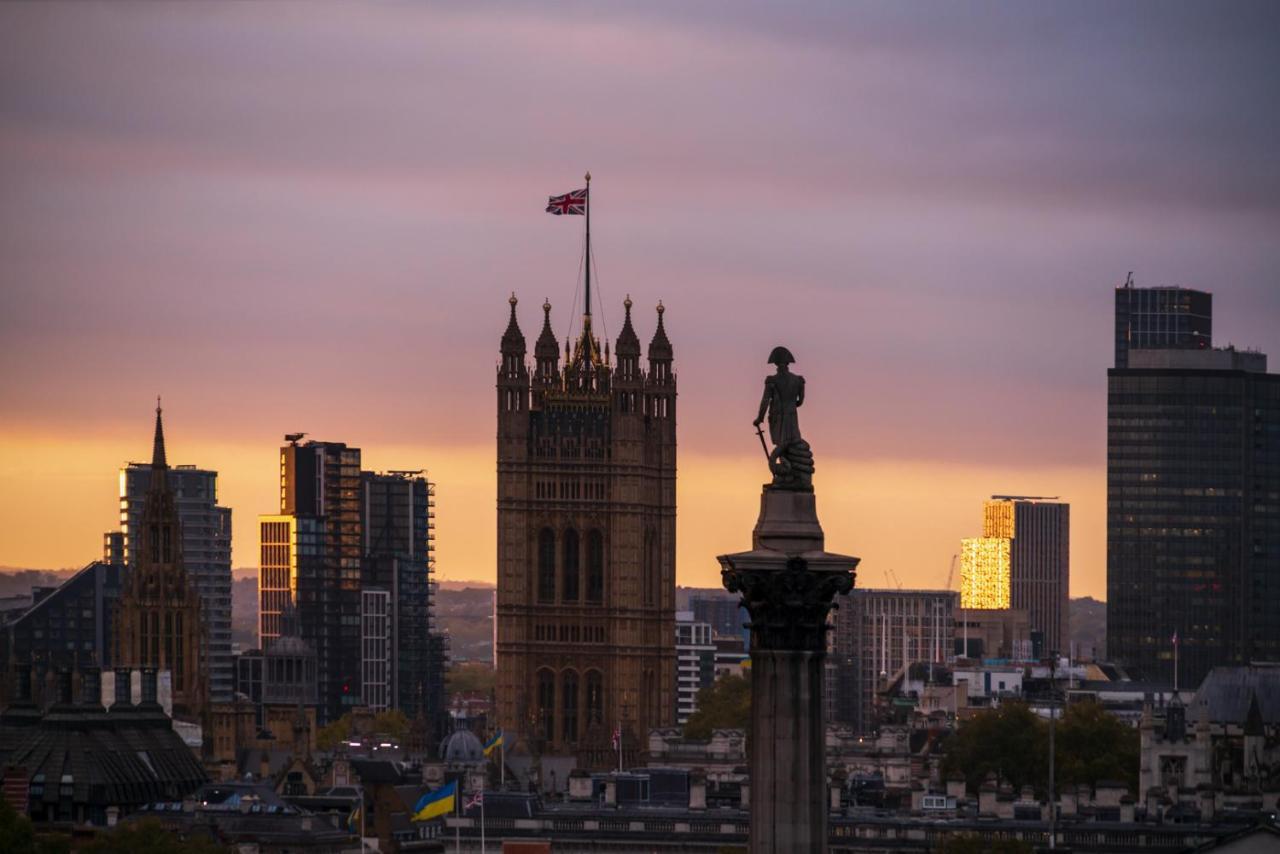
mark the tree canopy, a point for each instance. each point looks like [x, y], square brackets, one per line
[149, 837]
[1012, 742]
[726, 704]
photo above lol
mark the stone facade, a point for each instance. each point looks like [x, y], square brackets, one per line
[585, 602]
[158, 622]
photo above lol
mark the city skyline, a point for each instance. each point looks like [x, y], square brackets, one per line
[950, 267]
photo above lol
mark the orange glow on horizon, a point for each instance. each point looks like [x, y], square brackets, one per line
[59, 496]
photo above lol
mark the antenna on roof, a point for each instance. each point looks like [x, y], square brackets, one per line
[292, 438]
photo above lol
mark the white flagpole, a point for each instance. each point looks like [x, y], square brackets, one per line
[502, 761]
[457, 827]
[482, 850]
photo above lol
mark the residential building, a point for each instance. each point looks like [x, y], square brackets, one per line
[585, 610]
[376, 658]
[312, 549]
[206, 554]
[398, 543]
[1193, 512]
[878, 634]
[695, 663]
[994, 633]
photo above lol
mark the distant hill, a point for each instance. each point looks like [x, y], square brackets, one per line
[466, 585]
[18, 582]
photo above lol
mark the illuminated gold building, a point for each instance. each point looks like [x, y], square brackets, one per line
[984, 573]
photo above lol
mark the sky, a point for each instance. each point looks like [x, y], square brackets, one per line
[309, 217]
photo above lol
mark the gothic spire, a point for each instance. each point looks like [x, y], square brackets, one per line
[546, 347]
[628, 341]
[660, 346]
[513, 338]
[159, 465]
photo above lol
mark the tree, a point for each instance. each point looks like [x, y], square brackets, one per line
[17, 836]
[334, 734]
[1008, 741]
[1092, 744]
[392, 722]
[148, 836]
[1012, 742]
[726, 704]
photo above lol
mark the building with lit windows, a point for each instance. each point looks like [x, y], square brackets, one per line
[1162, 319]
[375, 648]
[1038, 531]
[1193, 511]
[984, 573]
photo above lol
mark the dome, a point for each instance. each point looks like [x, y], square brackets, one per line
[462, 745]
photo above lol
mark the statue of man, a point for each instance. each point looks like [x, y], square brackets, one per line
[791, 460]
[783, 395]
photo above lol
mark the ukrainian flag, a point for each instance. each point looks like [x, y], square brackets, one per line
[437, 803]
[494, 743]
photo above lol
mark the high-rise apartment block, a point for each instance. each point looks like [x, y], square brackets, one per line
[397, 518]
[695, 663]
[724, 612]
[1162, 319]
[1022, 561]
[206, 554]
[352, 553]
[878, 633]
[1193, 510]
[586, 539]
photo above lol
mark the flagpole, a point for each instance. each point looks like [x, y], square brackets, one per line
[482, 850]
[588, 259]
[457, 826]
[1175, 662]
[502, 763]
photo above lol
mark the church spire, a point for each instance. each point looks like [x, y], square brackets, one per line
[513, 338]
[159, 465]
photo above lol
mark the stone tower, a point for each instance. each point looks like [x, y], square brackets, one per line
[585, 610]
[157, 622]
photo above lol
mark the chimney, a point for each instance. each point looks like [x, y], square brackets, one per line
[148, 685]
[124, 693]
[91, 687]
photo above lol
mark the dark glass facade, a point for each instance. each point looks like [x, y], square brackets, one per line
[397, 510]
[1162, 319]
[1193, 519]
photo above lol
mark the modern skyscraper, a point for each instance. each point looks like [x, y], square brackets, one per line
[397, 514]
[206, 555]
[1193, 511]
[725, 614]
[1022, 561]
[1038, 531]
[879, 633]
[1162, 319]
[312, 548]
[586, 539]
[158, 617]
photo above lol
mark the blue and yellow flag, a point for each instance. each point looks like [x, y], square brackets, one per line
[494, 743]
[437, 803]
[353, 823]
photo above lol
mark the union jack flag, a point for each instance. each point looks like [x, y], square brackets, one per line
[474, 801]
[569, 203]
[617, 736]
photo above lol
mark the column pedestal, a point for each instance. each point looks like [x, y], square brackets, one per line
[788, 581]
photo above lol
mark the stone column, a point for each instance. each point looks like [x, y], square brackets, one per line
[787, 582]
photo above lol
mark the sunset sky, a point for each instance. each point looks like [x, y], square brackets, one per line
[308, 217]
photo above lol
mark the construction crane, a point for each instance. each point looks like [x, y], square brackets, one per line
[951, 573]
[892, 577]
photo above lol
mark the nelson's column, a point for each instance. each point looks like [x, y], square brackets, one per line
[585, 605]
[787, 581]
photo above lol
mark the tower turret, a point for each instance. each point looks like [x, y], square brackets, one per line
[628, 349]
[546, 352]
[513, 376]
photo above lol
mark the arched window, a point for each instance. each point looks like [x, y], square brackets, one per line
[569, 582]
[546, 565]
[595, 566]
[547, 704]
[595, 698]
[569, 709]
